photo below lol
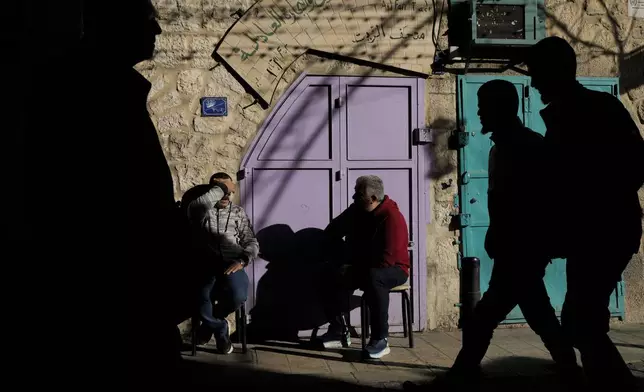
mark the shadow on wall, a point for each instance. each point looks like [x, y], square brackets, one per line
[442, 161]
[288, 294]
[621, 28]
[632, 73]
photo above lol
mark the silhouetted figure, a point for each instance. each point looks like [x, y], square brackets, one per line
[229, 245]
[596, 166]
[514, 239]
[112, 103]
[378, 260]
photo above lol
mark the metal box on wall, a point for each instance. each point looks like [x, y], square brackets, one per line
[489, 23]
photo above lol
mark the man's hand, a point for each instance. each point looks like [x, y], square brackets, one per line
[221, 186]
[234, 267]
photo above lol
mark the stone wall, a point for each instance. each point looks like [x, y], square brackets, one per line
[182, 71]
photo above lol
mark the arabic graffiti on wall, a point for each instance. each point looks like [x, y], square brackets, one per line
[374, 33]
[273, 33]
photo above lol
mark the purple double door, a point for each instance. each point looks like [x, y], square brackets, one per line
[300, 173]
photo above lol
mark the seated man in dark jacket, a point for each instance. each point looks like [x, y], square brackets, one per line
[376, 237]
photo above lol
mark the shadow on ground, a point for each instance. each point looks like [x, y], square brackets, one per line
[242, 378]
[243, 372]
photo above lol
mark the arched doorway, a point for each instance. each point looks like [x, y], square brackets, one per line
[300, 171]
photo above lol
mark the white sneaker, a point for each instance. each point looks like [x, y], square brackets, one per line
[332, 340]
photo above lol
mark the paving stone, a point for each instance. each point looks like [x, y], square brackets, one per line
[403, 358]
[340, 366]
[273, 361]
[519, 347]
[446, 344]
[393, 376]
[433, 357]
[307, 365]
[515, 359]
[627, 337]
[373, 365]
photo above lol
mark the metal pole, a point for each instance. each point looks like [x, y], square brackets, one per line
[470, 288]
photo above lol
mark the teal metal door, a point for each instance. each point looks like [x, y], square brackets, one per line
[473, 171]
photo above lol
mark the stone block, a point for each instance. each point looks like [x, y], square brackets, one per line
[166, 9]
[169, 60]
[229, 151]
[178, 24]
[236, 140]
[147, 69]
[172, 123]
[201, 149]
[165, 102]
[190, 81]
[594, 7]
[203, 44]
[567, 14]
[219, 77]
[178, 146]
[169, 42]
[159, 83]
[171, 50]
[210, 125]
[190, 8]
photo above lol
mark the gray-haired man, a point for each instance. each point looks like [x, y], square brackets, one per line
[376, 236]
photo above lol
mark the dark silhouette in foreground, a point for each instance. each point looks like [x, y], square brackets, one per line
[595, 157]
[514, 195]
[103, 186]
[160, 290]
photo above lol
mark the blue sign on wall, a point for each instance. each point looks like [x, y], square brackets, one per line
[214, 106]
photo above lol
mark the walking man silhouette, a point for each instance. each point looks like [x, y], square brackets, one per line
[596, 166]
[514, 239]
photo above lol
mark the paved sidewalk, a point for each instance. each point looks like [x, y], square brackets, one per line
[516, 359]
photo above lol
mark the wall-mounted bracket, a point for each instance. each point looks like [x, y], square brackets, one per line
[423, 135]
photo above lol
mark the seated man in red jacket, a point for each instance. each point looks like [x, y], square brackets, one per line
[376, 238]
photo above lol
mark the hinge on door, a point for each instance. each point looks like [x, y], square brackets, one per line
[464, 220]
[465, 178]
[338, 103]
[462, 137]
[614, 89]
